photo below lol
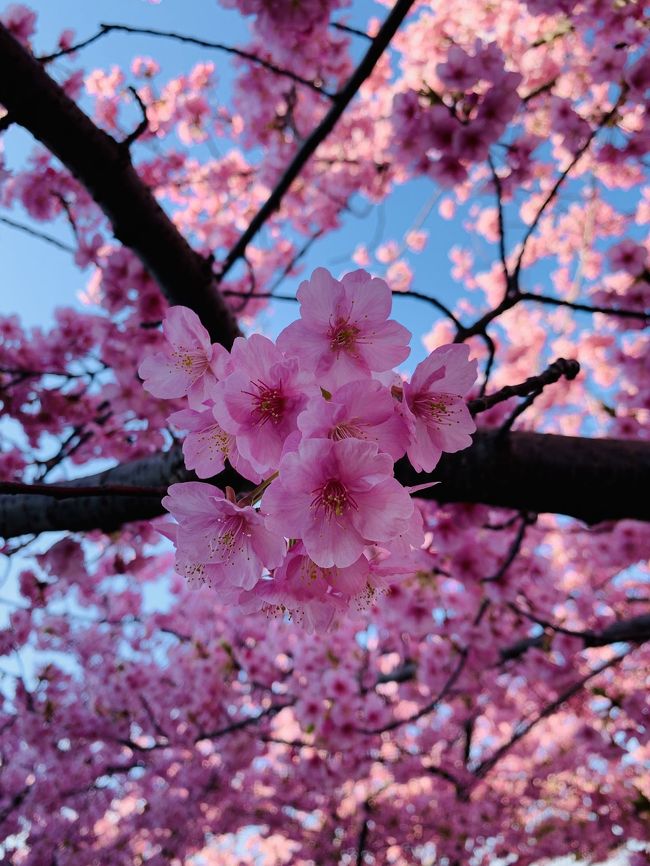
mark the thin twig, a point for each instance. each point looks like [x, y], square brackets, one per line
[354, 31]
[558, 183]
[105, 29]
[501, 223]
[561, 367]
[305, 152]
[142, 127]
[642, 315]
[526, 520]
[55, 242]
[485, 766]
[363, 835]
[431, 706]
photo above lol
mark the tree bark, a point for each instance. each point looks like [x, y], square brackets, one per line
[103, 165]
[593, 480]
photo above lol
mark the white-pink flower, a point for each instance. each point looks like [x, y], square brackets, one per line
[434, 408]
[188, 365]
[231, 543]
[344, 332]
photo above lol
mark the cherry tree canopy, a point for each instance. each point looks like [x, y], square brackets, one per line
[455, 668]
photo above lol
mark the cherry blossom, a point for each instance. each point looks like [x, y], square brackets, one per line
[471, 687]
[337, 496]
[229, 538]
[344, 332]
[434, 407]
[188, 364]
[260, 400]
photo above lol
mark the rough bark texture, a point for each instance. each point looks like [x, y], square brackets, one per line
[103, 166]
[593, 480]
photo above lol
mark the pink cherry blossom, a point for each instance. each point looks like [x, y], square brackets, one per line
[337, 496]
[359, 410]
[434, 407]
[232, 540]
[19, 21]
[344, 332]
[187, 364]
[310, 595]
[242, 718]
[207, 445]
[259, 402]
[628, 256]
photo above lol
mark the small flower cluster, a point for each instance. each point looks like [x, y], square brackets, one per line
[316, 422]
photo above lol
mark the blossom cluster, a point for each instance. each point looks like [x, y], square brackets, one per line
[315, 421]
[445, 126]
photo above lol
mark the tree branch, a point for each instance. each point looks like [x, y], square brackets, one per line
[43, 236]
[105, 29]
[635, 630]
[485, 766]
[103, 166]
[590, 479]
[534, 384]
[641, 315]
[341, 102]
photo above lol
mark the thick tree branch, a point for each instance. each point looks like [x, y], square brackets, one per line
[103, 166]
[590, 479]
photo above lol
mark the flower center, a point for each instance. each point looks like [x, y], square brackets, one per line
[222, 440]
[433, 407]
[269, 403]
[189, 361]
[342, 336]
[346, 430]
[333, 499]
[229, 538]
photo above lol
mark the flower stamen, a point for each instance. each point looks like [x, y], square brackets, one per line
[333, 499]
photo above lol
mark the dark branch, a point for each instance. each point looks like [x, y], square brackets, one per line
[142, 127]
[515, 548]
[593, 480]
[217, 46]
[341, 101]
[498, 191]
[432, 705]
[562, 367]
[485, 766]
[353, 31]
[63, 491]
[363, 835]
[585, 308]
[552, 193]
[42, 236]
[100, 163]
[635, 630]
